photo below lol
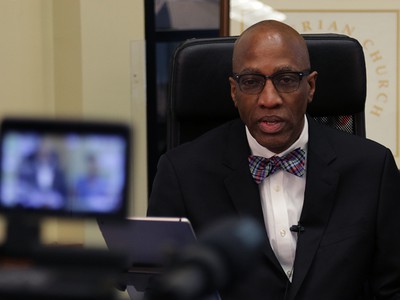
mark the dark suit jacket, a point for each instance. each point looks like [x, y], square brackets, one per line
[351, 212]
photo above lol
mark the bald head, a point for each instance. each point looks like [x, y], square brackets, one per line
[270, 34]
[272, 50]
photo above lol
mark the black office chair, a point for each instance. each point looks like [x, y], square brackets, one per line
[199, 93]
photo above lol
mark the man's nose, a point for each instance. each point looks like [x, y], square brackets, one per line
[269, 96]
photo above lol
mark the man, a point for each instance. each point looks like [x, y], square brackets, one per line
[333, 229]
[41, 178]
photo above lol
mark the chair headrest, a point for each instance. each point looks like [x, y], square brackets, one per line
[199, 85]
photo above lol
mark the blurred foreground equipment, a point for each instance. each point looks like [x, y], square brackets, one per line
[220, 257]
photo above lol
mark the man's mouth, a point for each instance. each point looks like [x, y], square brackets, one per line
[270, 125]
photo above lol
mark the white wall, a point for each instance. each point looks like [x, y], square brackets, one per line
[77, 58]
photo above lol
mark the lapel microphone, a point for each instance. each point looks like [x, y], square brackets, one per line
[297, 228]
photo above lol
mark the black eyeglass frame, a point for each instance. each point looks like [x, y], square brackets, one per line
[300, 74]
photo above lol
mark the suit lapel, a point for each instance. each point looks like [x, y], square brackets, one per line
[242, 189]
[319, 198]
[241, 186]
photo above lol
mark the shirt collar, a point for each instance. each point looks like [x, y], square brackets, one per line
[258, 150]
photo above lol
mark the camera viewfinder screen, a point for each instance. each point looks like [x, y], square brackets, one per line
[69, 173]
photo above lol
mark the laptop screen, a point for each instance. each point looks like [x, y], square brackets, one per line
[64, 167]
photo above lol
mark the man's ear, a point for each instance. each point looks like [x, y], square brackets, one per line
[232, 82]
[312, 79]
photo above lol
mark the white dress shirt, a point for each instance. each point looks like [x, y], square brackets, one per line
[282, 197]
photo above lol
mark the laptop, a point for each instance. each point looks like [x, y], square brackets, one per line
[148, 243]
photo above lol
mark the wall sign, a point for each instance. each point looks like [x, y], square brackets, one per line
[377, 32]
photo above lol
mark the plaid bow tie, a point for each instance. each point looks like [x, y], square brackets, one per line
[293, 162]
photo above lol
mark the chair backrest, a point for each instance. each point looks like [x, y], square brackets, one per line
[199, 92]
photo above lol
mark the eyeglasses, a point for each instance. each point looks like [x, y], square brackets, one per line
[284, 82]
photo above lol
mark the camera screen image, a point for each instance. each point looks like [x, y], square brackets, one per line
[68, 169]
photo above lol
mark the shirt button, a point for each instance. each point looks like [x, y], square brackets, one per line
[277, 188]
[289, 273]
[283, 232]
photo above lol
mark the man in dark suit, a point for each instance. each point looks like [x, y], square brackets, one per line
[341, 192]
